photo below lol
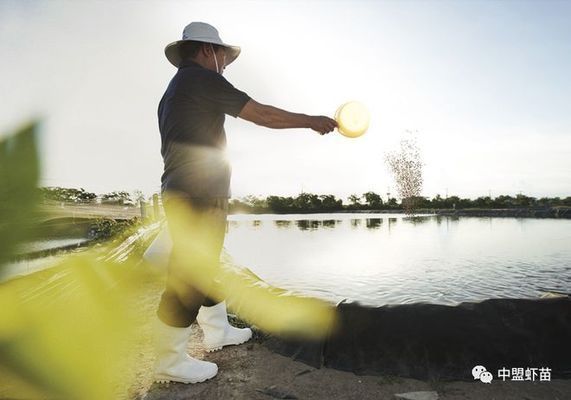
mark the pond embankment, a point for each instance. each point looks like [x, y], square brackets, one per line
[550, 212]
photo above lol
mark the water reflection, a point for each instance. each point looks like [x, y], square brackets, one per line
[305, 225]
[313, 224]
[355, 223]
[417, 219]
[373, 223]
[282, 224]
[330, 223]
[390, 223]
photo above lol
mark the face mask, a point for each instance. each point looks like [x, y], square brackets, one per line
[215, 60]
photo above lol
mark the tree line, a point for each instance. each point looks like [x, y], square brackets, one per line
[81, 196]
[310, 202]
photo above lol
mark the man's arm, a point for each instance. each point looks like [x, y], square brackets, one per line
[273, 117]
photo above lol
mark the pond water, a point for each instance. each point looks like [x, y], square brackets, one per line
[40, 245]
[28, 266]
[388, 259]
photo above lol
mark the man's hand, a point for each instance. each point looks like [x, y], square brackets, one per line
[322, 124]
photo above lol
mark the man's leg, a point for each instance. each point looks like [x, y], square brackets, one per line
[196, 255]
[198, 232]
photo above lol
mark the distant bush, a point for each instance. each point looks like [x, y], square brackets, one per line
[119, 198]
[67, 195]
[107, 228]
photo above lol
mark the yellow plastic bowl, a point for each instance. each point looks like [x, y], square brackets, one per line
[352, 119]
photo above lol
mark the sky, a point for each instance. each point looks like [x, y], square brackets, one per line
[484, 85]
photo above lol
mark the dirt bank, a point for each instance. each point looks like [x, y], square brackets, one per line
[250, 371]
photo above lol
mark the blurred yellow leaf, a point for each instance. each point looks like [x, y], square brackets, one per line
[65, 332]
[273, 310]
[19, 172]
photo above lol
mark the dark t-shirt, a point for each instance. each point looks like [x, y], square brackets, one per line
[193, 141]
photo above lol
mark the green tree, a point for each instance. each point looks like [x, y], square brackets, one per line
[330, 203]
[67, 195]
[483, 202]
[522, 200]
[504, 202]
[373, 200]
[392, 203]
[437, 202]
[237, 205]
[256, 203]
[354, 201]
[118, 197]
[307, 202]
[544, 202]
[279, 204]
[315, 202]
[139, 196]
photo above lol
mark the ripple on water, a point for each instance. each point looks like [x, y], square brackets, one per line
[391, 263]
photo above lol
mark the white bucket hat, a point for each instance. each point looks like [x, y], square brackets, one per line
[199, 32]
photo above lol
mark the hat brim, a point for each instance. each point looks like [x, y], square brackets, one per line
[174, 54]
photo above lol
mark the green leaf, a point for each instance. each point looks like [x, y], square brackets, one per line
[19, 173]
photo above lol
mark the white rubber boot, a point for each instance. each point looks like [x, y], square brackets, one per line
[172, 363]
[217, 330]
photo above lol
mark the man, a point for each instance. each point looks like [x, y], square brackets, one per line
[191, 122]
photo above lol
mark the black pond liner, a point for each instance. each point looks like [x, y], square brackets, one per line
[430, 341]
